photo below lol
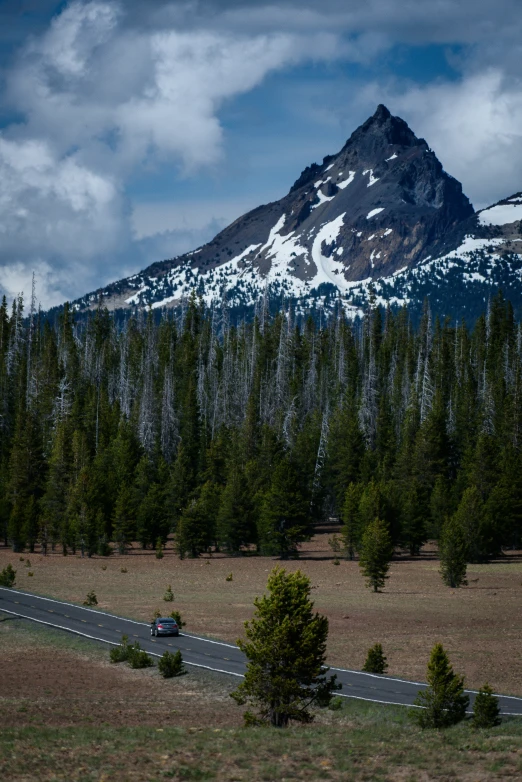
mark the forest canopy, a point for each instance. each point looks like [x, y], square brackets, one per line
[243, 437]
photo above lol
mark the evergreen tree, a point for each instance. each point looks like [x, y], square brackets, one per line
[197, 524]
[453, 552]
[56, 496]
[151, 518]
[375, 554]
[413, 521]
[24, 485]
[440, 506]
[375, 660]
[285, 517]
[124, 521]
[286, 651]
[236, 525]
[486, 711]
[470, 517]
[444, 702]
[351, 529]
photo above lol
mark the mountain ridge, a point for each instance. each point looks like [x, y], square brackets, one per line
[377, 211]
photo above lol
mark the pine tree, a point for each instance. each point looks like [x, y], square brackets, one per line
[486, 710]
[236, 521]
[55, 500]
[351, 529]
[474, 522]
[453, 552]
[375, 660]
[152, 522]
[285, 517]
[413, 520]
[444, 702]
[375, 554]
[286, 651]
[24, 484]
[197, 524]
[124, 521]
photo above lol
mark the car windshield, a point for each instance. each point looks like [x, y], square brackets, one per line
[167, 621]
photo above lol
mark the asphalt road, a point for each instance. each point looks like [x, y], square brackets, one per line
[200, 652]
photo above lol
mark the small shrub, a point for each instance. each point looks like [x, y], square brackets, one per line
[104, 550]
[131, 653]
[168, 597]
[91, 599]
[139, 658]
[123, 570]
[8, 576]
[159, 549]
[104, 567]
[22, 559]
[177, 618]
[30, 573]
[336, 704]
[335, 544]
[28, 563]
[336, 561]
[156, 614]
[486, 711]
[120, 654]
[230, 577]
[171, 665]
[375, 660]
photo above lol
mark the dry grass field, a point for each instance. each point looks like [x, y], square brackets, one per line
[480, 625]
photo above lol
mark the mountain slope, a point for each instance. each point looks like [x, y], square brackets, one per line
[380, 212]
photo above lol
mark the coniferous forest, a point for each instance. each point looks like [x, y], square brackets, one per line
[242, 438]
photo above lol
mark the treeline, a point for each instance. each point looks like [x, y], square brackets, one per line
[242, 438]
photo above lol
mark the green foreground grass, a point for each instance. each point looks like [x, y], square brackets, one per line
[361, 741]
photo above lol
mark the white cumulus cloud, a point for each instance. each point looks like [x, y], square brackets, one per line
[101, 100]
[474, 125]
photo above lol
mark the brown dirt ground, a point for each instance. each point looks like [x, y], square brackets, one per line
[45, 685]
[480, 625]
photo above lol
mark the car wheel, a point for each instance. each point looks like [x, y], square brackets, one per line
[156, 633]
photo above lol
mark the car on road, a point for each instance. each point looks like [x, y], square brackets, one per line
[164, 626]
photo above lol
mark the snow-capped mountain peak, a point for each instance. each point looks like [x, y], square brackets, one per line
[379, 211]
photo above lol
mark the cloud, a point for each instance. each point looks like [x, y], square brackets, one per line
[150, 218]
[102, 100]
[56, 217]
[474, 125]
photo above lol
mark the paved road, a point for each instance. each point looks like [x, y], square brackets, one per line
[201, 652]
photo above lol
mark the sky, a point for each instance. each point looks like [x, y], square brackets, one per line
[134, 131]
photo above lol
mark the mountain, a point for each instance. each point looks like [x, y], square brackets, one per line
[382, 214]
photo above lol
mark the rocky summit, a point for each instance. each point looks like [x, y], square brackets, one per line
[381, 215]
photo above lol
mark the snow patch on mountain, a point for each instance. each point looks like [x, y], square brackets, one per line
[328, 269]
[371, 179]
[501, 214]
[136, 297]
[245, 253]
[374, 212]
[346, 182]
[322, 199]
